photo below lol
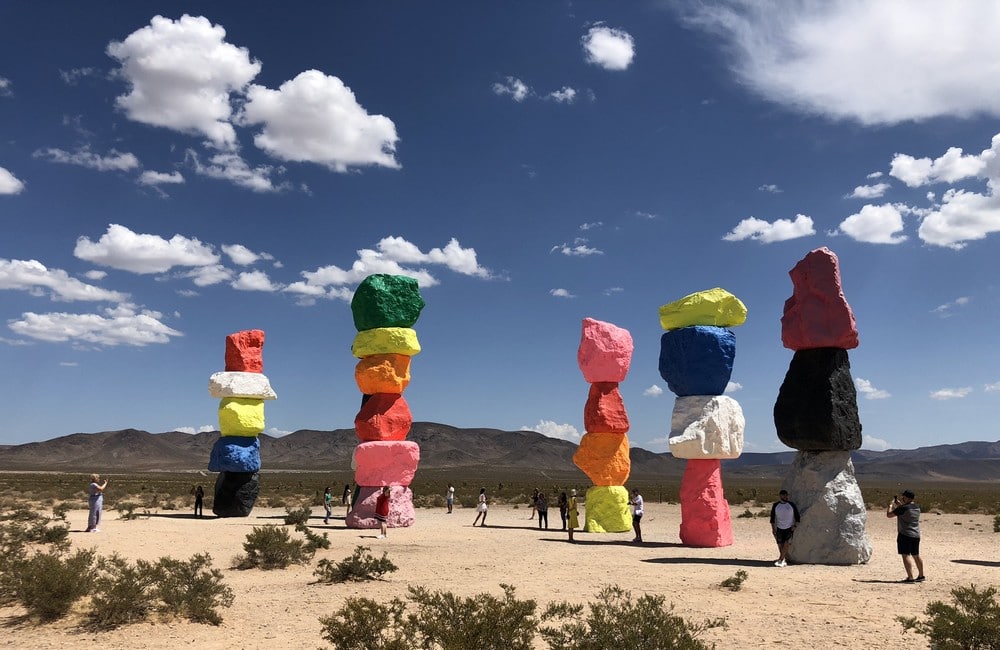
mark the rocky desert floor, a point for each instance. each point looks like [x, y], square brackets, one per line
[805, 606]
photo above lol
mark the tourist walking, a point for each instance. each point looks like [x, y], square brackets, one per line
[907, 514]
[563, 508]
[481, 508]
[636, 503]
[382, 511]
[784, 519]
[543, 510]
[327, 504]
[574, 515]
[95, 500]
[199, 501]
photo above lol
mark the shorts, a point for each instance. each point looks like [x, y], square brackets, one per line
[636, 518]
[783, 535]
[907, 545]
[381, 518]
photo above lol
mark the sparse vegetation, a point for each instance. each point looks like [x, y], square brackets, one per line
[297, 516]
[970, 622]
[746, 514]
[360, 566]
[192, 589]
[272, 547]
[996, 524]
[127, 510]
[313, 541]
[123, 592]
[735, 583]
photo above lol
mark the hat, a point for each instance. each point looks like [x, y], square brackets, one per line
[573, 491]
[909, 494]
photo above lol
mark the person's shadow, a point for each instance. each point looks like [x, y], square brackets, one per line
[717, 561]
[978, 562]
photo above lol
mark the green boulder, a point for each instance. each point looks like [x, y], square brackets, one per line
[383, 300]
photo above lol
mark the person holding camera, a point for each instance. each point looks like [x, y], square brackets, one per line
[907, 514]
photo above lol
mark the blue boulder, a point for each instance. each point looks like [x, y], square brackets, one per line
[235, 454]
[697, 360]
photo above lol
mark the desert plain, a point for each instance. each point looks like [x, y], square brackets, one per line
[799, 606]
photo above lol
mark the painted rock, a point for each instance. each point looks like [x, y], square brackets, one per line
[386, 301]
[817, 405]
[383, 416]
[705, 518]
[386, 340]
[605, 409]
[388, 462]
[240, 416]
[240, 384]
[235, 454]
[235, 494]
[607, 510]
[817, 315]
[715, 307]
[706, 426]
[401, 513]
[604, 458]
[244, 351]
[697, 360]
[605, 351]
[383, 373]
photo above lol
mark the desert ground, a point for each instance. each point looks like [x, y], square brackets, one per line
[804, 606]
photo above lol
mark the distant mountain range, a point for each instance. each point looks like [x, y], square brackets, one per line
[463, 452]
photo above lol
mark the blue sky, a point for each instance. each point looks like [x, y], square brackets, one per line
[166, 179]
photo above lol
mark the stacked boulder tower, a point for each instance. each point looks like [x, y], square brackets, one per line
[816, 413]
[242, 388]
[385, 308]
[604, 357]
[696, 361]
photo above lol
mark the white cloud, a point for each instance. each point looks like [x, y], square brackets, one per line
[121, 325]
[646, 215]
[951, 393]
[873, 62]
[275, 432]
[950, 167]
[10, 184]
[180, 75]
[591, 225]
[254, 281]
[517, 89]
[947, 309]
[732, 387]
[205, 428]
[5, 90]
[231, 167]
[610, 291]
[552, 430]
[120, 248]
[770, 188]
[34, 277]
[73, 76]
[962, 217]
[578, 248]
[564, 95]
[243, 256]
[561, 293]
[869, 191]
[875, 444]
[69, 364]
[874, 175]
[316, 118]
[653, 391]
[610, 48]
[866, 388]
[206, 276]
[94, 274]
[84, 157]
[768, 233]
[160, 178]
[875, 224]
[992, 388]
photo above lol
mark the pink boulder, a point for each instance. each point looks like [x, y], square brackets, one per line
[817, 315]
[383, 416]
[605, 409]
[244, 351]
[386, 462]
[605, 351]
[401, 514]
[705, 518]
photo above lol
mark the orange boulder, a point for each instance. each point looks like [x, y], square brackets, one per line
[603, 457]
[383, 373]
[605, 409]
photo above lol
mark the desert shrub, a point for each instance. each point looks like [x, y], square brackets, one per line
[123, 592]
[192, 589]
[24, 526]
[483, 621]
[271, 547]
[60, 511]
[614, 620]
[313, 540]
[970, 622]
[746, 514]
[276, 502]
[351, 628]
[360, 566]
[127, 510]
[48, 584]
[735, 583]
[996, 524]
[297, 516]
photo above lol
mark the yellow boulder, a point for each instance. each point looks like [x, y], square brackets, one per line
[607, 510]
[386, 340]
[241, 416]
[715, 307]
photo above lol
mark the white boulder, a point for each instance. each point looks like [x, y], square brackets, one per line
[240, 384]
[706, 427]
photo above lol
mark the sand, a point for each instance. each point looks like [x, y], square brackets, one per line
[794, 607]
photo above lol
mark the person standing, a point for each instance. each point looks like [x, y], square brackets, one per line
[96, 502]
[574, 515]
[907, 514]
[481, 508]
[199, 500]
[563, 503]
[345, 497]
[636, 503]
[449, 497]
[327, 504]
[784, 519]
[534, 504]
[543, 510]
[382, 511]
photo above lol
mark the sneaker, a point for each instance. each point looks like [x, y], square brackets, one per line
[381, 536]
[919, 579]
[781, 563]
[908, 580]
[96, 530]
